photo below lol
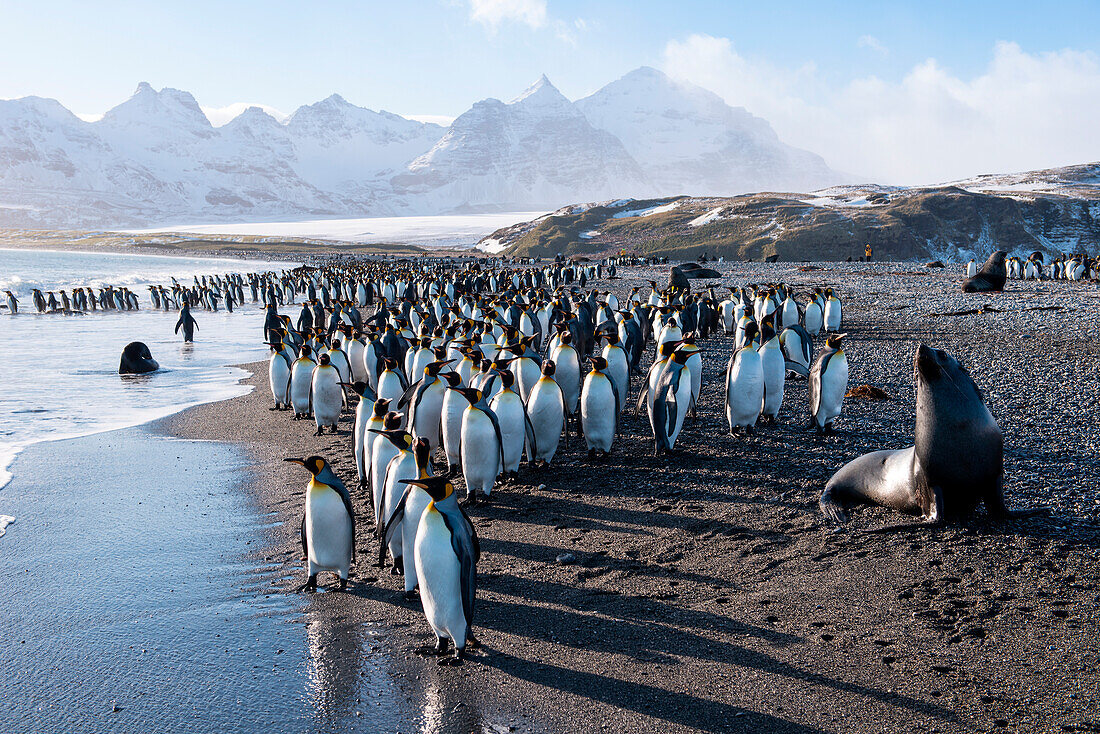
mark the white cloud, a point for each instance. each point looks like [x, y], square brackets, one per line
[493, 13]
[873, 43]
[1022, 111]
[219, 116]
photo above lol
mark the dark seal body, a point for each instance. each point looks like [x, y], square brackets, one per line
[956, 462]
[991, 277]
[136, 360]
[677, 280]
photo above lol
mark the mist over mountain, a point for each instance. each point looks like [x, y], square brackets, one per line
[156, 159]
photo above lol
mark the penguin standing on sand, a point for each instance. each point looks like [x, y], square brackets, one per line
[405, 516]
[402, 465]
[774, 368]
[600, 403]
[671, 401]
[446, 553]
[798, 349]
[382, 450]
[832, 311]
[546, 411]
[301, 382]
[744, 385]
[482, 447]
[425, 403]
[187, 323]
[326, 395]
[328, 526]
[278, 376]
[828, 384]
[813, 317]
[454, 405]
[515, 427]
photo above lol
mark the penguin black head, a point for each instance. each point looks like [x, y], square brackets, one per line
[398, 437]
[507, 378]
[471, 395]
[833, 342]
[315, 464]
[381, 406]
[751, 330]
[392, 421]
[432, 368]
[452, 378]
[335, 344]
[599, 364]
[323, 359]
[612, 336]
[438, 488]
[305, 351]
[549, 368]
[423, 452]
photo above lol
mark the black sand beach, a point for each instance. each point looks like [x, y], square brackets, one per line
[707, 593]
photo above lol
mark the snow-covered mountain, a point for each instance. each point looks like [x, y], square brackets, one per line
[157, 160]
[689, 141]
[537, 150]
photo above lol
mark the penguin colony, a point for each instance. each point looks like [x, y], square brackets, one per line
[1072, 267]
[208, 292]
[472, 372]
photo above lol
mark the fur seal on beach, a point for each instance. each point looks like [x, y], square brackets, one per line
[991, 276]
[956, 463]
[136, 360]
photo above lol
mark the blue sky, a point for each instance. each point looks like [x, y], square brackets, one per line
[808, 67]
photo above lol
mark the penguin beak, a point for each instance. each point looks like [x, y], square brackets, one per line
[296, 461]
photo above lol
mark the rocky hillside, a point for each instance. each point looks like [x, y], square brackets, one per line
[1056, 210]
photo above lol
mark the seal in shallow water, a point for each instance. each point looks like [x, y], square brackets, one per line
[136, 360]
[956, 463]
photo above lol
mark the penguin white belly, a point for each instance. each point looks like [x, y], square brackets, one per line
[526, 377]
[834, 384]
[568, 377]
[340, 361]
[480, 451]
[547, 413]
[439, 572]
[363, 413]
[356, 352]
[453, 407]
[300, 380]
[382, 453]
[429, 412]
[509, 412]
[812, 319]
[745, 390]
[727, 311]
[775, 370]
[415, 505]
[328, 531]
[389, 387]
[278, 377]
[832, 315]
[598, 413]
[618, 370]
[402, 466]
[328, 398]
[695, 366]
[683, 399]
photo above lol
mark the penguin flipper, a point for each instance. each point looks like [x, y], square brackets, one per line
[797, 368]
[467, 569]
[305, 543]
[410, 390]
[500, 437]
[385, 534]
[529, 434]
[642, 397]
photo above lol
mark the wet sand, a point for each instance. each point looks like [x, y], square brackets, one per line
[707, 592]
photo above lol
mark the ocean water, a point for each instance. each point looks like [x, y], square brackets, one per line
[60, 373]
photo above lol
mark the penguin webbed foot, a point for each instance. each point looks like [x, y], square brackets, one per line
[398, 568]
[412, 595]
[343, 586]
[309, 586]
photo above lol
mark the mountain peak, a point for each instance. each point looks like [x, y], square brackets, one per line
[144, 88]
[148, 106]
[541, 92]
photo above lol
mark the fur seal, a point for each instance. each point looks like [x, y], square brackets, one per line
[991, 276]
[956, 463]
[677, 279]
[136, 360]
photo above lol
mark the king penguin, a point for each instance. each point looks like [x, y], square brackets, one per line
[446, 553]
[599, 409]
[744, 385]
[326, 395]
[671, 401]
[301, 380]
[328, 526]
[482, 447]
[828, 384]
[546, 411]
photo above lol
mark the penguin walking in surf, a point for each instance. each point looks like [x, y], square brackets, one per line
[187, 323]
[328, 526]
